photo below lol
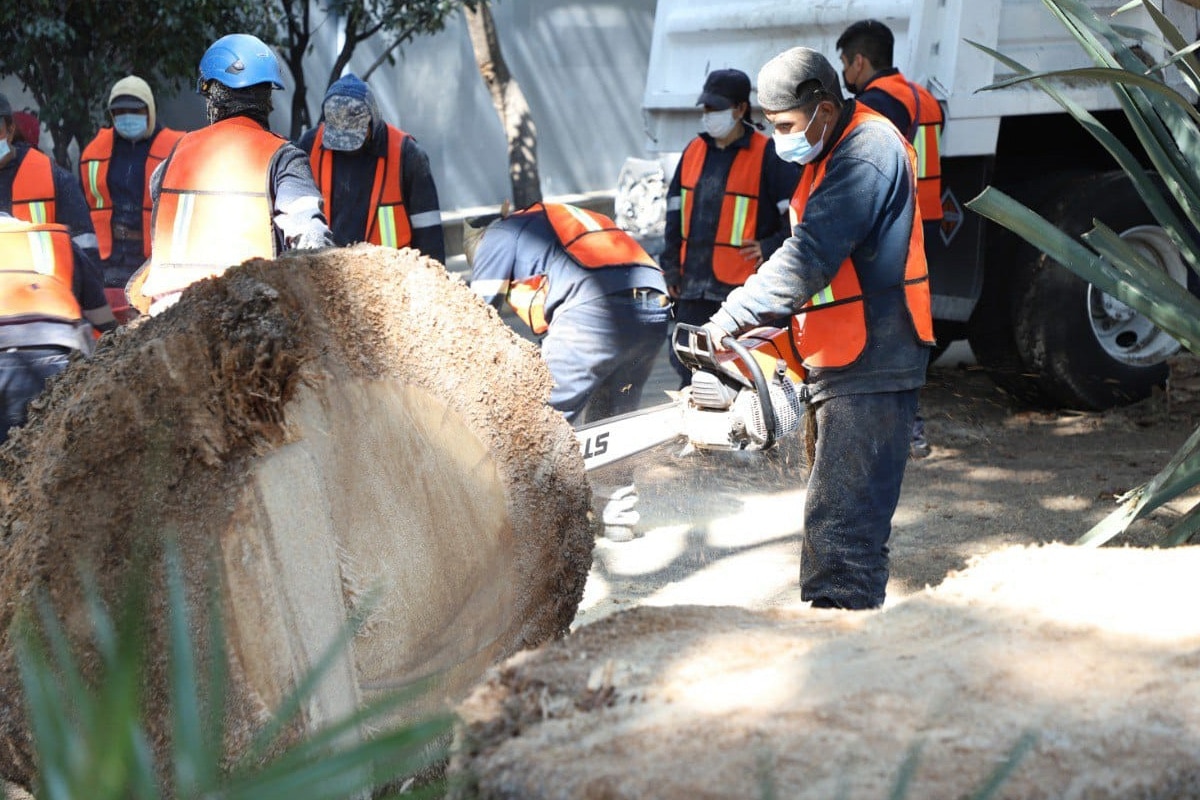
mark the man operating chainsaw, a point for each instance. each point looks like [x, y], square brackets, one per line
[853, 274]
[596, 299]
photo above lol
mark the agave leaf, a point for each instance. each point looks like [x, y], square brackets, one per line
[342, 772]
[216, 684]
[1189, 65]
[1003, 210]
[1187, 194]
[1154, 119]
[1175, 59]
[1145, 498]
[1005, 768]
[908, 768]
[1184, 529]
[291, 705]
[1111, 75]
[191, 760]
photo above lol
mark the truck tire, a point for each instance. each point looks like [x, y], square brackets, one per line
[1086, 349]
[992, 326]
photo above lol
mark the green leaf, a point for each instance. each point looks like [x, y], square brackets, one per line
[1164, 212]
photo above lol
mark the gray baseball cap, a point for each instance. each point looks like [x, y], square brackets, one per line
[347, 120]
[787, 81]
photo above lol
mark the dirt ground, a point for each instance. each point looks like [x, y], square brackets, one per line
[694, 671]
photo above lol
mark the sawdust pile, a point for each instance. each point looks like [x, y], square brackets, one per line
[324, 428]
[1079, 665]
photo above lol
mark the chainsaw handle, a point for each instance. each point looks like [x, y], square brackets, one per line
[760, 385]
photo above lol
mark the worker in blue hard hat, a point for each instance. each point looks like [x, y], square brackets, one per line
[233, 190]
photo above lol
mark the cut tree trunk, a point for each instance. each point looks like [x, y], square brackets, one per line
[328, 428]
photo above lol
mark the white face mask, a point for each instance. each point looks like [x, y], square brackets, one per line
[796, 148]
[4, 149]
[718, 124]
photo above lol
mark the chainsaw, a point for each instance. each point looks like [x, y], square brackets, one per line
[745, 397]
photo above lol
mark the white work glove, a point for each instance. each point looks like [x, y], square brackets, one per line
[716, 334]
[619, 510]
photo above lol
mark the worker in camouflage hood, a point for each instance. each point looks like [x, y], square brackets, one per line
[115, 168]
[234, 190]
[374, 178]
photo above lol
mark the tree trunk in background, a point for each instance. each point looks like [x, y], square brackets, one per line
[510, 104]
[297, 35]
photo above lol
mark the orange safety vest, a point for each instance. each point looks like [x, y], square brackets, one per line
[591, 239]
[93, 171]
[738, 222]
[831, 329]
[387, 218]
[33, 198]
[925, 133]
[214, 206]
[36, 270]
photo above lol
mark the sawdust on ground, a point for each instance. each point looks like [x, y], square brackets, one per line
[694, 671]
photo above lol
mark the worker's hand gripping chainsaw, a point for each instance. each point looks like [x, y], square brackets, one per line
[744, 398]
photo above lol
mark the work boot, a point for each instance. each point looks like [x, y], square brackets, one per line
[919, 447]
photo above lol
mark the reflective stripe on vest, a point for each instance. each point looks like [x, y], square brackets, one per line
[591, 238]
[831, 330]
[35, 282]
[93, 170]
[738, 222]
[33, 189]
[214, 205]
[387, 219]
[527, 299]
[925, 134]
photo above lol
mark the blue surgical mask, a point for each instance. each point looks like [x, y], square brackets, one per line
[4, 149]
[130, 126]
[796, 148]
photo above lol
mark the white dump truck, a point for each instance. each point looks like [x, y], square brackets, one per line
[1041, 332]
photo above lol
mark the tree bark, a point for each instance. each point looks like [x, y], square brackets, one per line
[342, 432]
[509, 101]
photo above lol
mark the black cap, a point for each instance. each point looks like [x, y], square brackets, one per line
[126, 102]
[725, 88]
[5, 106]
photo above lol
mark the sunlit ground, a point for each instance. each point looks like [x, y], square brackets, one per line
[748, 558]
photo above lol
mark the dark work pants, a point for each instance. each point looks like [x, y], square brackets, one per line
[693, 312]
[601, 353]
[23, 375]
[862, 449]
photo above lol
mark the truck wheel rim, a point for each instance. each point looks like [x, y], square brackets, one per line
[1126, 335]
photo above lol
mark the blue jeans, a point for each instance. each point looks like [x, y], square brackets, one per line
[601, 352]
[23, 375]
[862, 449]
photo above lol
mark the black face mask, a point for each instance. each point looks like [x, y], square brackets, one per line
[850, 87]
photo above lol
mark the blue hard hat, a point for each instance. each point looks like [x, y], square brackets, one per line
[239, 60]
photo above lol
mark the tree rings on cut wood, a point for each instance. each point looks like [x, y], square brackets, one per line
[341, 432]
